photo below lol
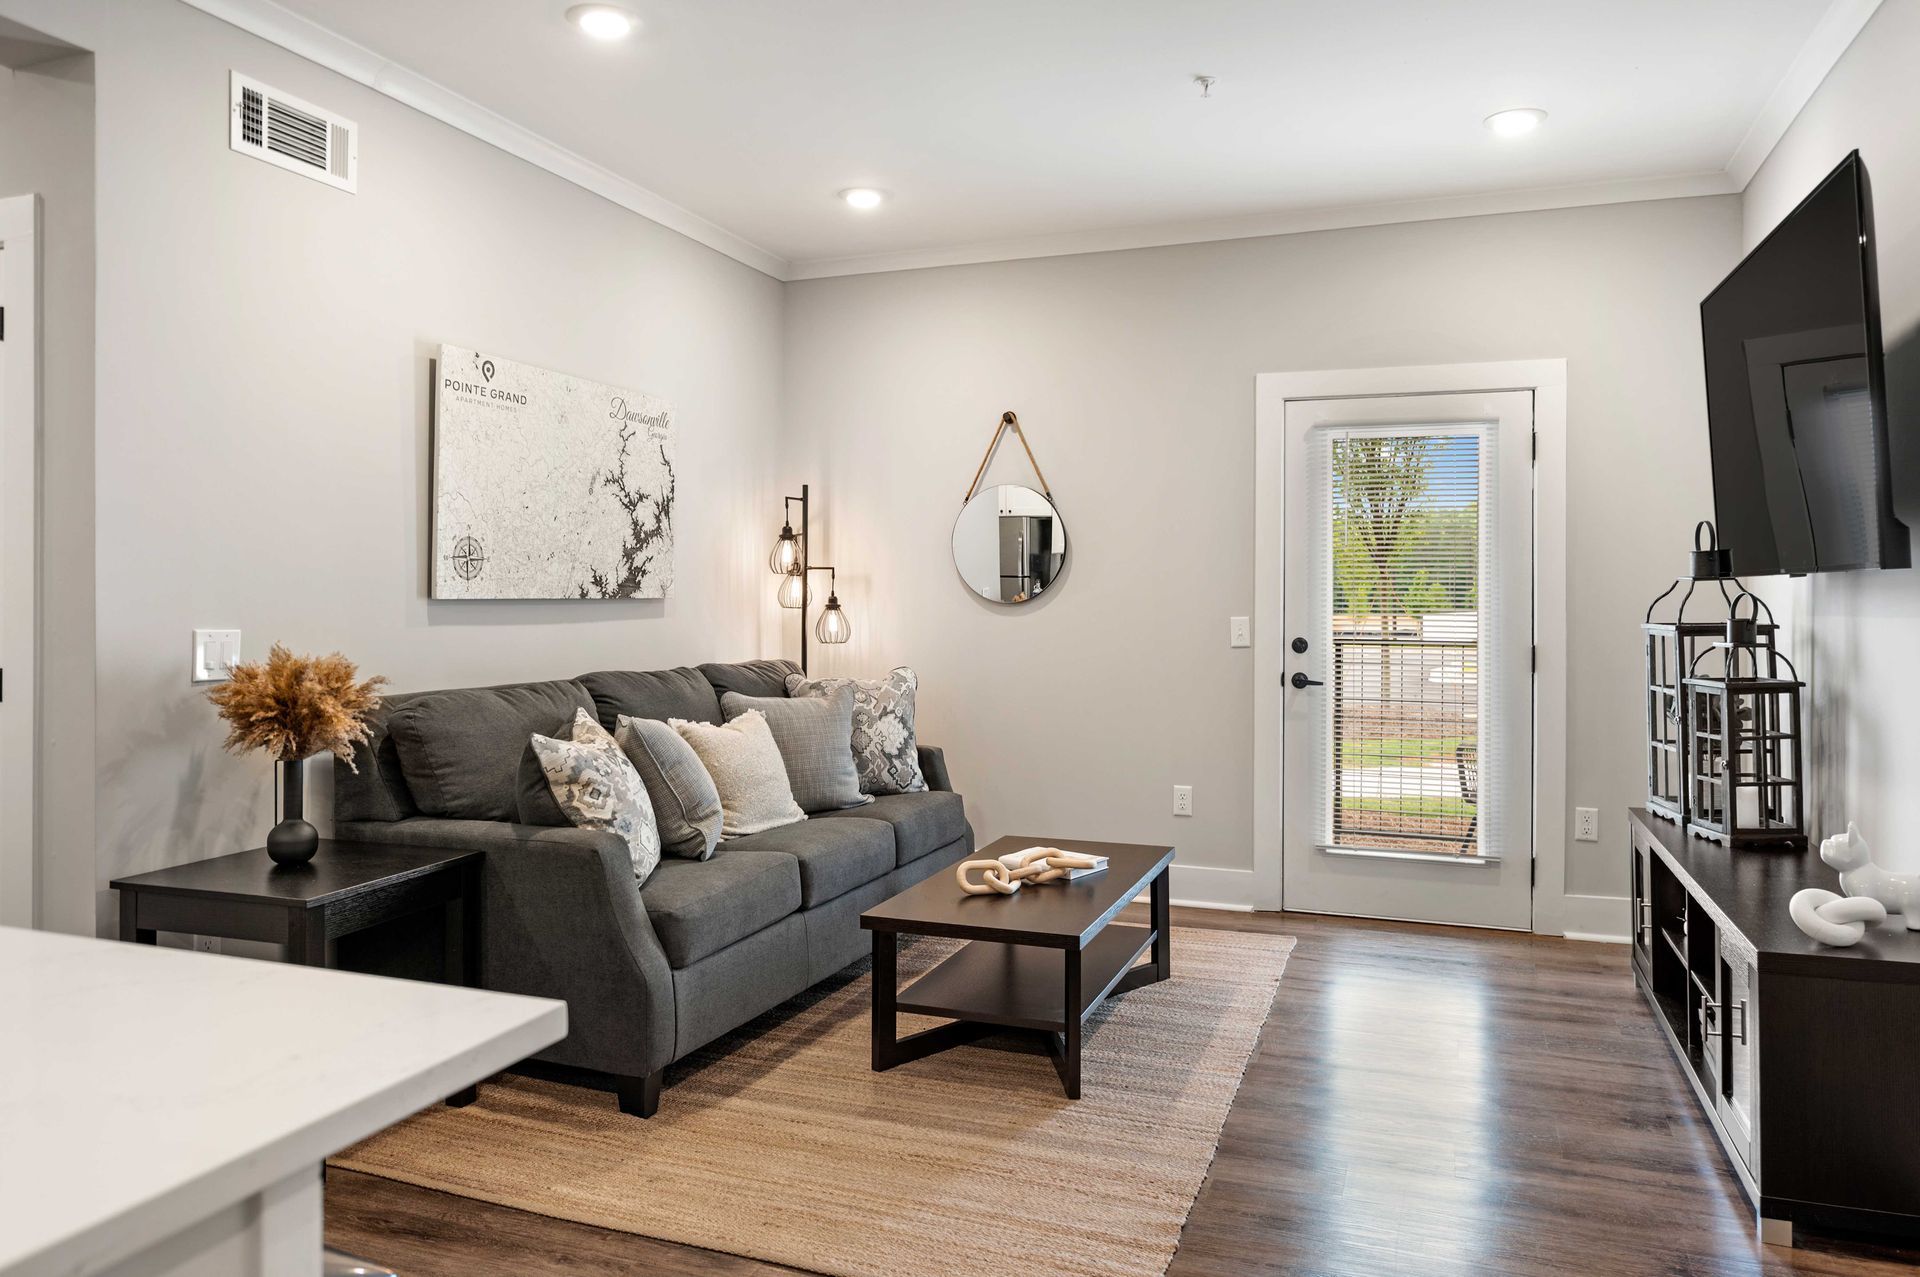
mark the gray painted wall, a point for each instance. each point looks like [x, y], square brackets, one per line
[46, 148]
[264, 465]
[262, 439]
[1857, 629]
[1134, 374]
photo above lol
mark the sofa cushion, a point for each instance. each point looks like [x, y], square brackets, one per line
[922, 822]
[699, 907]
[460, 750]
[815, 736]
[659, 694]
[835, 856]
[750, 678]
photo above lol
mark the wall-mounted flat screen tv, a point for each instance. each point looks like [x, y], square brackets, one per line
[1796, 394]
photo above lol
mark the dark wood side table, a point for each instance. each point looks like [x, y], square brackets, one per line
[1041, 960]
[346, 887]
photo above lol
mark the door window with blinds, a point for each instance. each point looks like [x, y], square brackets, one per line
[1407, 600]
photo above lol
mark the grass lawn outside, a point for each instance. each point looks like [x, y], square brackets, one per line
[1409, 751]
[1456, 808]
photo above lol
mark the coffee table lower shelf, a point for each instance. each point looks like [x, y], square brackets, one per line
[1018, 986]
[989, 987]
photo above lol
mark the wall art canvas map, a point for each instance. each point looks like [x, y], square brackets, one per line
[547, 486]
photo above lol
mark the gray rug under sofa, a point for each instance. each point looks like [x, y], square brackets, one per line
[649, 976]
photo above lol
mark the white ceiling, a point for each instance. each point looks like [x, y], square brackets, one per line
[1012, 127]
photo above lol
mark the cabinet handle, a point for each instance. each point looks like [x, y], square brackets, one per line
[1708, 1012]
[1741, 1007]
[1646, 917]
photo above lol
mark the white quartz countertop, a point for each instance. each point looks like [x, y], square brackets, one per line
[143, 1089]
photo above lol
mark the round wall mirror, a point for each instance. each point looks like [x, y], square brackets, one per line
[1009, 544]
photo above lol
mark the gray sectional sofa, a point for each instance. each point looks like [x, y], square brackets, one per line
[704, 946]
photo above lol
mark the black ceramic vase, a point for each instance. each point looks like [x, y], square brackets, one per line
[293, 841]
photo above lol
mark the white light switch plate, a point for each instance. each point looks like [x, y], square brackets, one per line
[1183, 800]
[1586, 824]
[215, 652]
[1239, 632]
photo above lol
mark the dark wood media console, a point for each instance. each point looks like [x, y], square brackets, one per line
[1806, 1059]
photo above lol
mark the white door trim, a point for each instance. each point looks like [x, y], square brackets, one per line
[19, 559]
[1547, 379]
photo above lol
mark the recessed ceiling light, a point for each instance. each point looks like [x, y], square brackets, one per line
[603, 21]
[1516, 122]
[863, 197]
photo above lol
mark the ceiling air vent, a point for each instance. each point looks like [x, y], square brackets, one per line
[294, 135]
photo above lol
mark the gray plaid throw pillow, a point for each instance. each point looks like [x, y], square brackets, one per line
[885, 751]
[815, 736]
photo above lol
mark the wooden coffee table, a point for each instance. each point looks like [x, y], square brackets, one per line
[1041, 960]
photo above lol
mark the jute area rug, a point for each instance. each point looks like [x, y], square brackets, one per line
[780, 1143]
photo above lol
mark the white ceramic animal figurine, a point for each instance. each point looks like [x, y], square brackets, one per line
[1859, 876]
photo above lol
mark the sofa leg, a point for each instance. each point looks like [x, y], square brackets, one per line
[640, 1096]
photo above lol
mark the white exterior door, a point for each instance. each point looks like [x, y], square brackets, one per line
[1406, 719]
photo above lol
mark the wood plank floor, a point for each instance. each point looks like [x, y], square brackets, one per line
[1424, 1100]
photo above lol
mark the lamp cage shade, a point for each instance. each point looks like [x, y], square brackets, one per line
[833, 626]
[793, 591]
[786, 556]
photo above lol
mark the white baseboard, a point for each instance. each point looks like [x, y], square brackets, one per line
[1205, 887]
[1600, 918]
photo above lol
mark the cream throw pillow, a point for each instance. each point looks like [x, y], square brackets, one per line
[745, 765]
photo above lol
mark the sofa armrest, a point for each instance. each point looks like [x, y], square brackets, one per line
[933, 765]
[560, 917]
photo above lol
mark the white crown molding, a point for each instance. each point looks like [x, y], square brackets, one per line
[336, 53]
[1290, 223]
[1830, 39]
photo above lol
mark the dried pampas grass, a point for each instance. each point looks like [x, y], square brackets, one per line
[296, 706]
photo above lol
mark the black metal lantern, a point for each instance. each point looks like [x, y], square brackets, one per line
[1745, 783]
[1672, 645]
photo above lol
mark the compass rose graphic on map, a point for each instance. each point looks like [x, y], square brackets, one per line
[469, 558]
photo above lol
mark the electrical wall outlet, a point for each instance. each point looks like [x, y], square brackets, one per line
[1183, 800]
[206, 944]
[1586, 824]
[215, 653]
[1239, 632]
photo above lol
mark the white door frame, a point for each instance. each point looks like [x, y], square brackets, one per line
[19, 558]
[1547, 379]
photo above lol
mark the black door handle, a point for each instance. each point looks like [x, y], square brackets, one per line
[1301, 680]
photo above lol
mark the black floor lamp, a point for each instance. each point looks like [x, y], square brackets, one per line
[789, 561]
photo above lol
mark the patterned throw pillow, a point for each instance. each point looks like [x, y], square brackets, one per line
[597, 787]
[884, 747]
[745, 765]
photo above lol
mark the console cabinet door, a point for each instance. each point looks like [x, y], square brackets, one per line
[1642, 920]
[1739, 1089]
